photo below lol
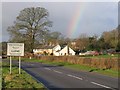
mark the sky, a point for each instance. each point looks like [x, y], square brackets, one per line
[69, 18]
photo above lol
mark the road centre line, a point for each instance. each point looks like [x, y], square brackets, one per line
[47, 68]
[74, 77]
[57, 71]
[101, 85]
[80, 78]
[32, 64]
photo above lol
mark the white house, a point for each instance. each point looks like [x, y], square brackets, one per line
[55, 50]
[58, 51]
[66, 51]
[42, 50]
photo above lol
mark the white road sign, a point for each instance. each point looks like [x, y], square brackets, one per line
[15, 49]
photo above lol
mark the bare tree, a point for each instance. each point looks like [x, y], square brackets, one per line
[111, 38]
[31, 25]
[82, 41]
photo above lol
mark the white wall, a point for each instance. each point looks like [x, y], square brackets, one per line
[42, 50]
[55, 50]
[64, 51]
[71, 51]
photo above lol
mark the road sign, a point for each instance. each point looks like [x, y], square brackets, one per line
[15, 49]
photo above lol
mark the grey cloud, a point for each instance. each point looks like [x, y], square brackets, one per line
[97, 17]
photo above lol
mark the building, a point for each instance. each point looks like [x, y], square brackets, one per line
[46, 50]
[66, 51]
[54, 50]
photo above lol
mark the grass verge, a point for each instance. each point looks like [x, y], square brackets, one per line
[16, 80]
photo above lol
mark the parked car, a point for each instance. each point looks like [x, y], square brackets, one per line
[82, 54]
[111, 51]
[90, 53]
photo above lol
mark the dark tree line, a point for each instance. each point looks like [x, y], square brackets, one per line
[108, 40]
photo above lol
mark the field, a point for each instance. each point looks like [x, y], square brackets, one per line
[16, 80]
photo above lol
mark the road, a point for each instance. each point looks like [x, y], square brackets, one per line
[58, 77]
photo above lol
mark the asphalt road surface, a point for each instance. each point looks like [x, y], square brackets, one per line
[58, 77]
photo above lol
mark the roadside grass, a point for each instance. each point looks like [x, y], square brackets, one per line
[109, 72]
[16, 80]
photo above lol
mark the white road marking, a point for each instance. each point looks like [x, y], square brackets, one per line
[100, 85]
[32, 64]
[47, 68]
[74, 77]
[57, 71]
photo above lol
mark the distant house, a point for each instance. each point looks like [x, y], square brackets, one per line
[54, 50]
[66, 51]
[46, 50]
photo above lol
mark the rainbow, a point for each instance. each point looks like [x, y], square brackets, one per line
[75, 20]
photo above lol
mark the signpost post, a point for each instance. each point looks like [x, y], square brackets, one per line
[10, 64]
[19, 64]
[15, 49]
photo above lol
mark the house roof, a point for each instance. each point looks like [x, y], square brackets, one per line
[63, 46]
